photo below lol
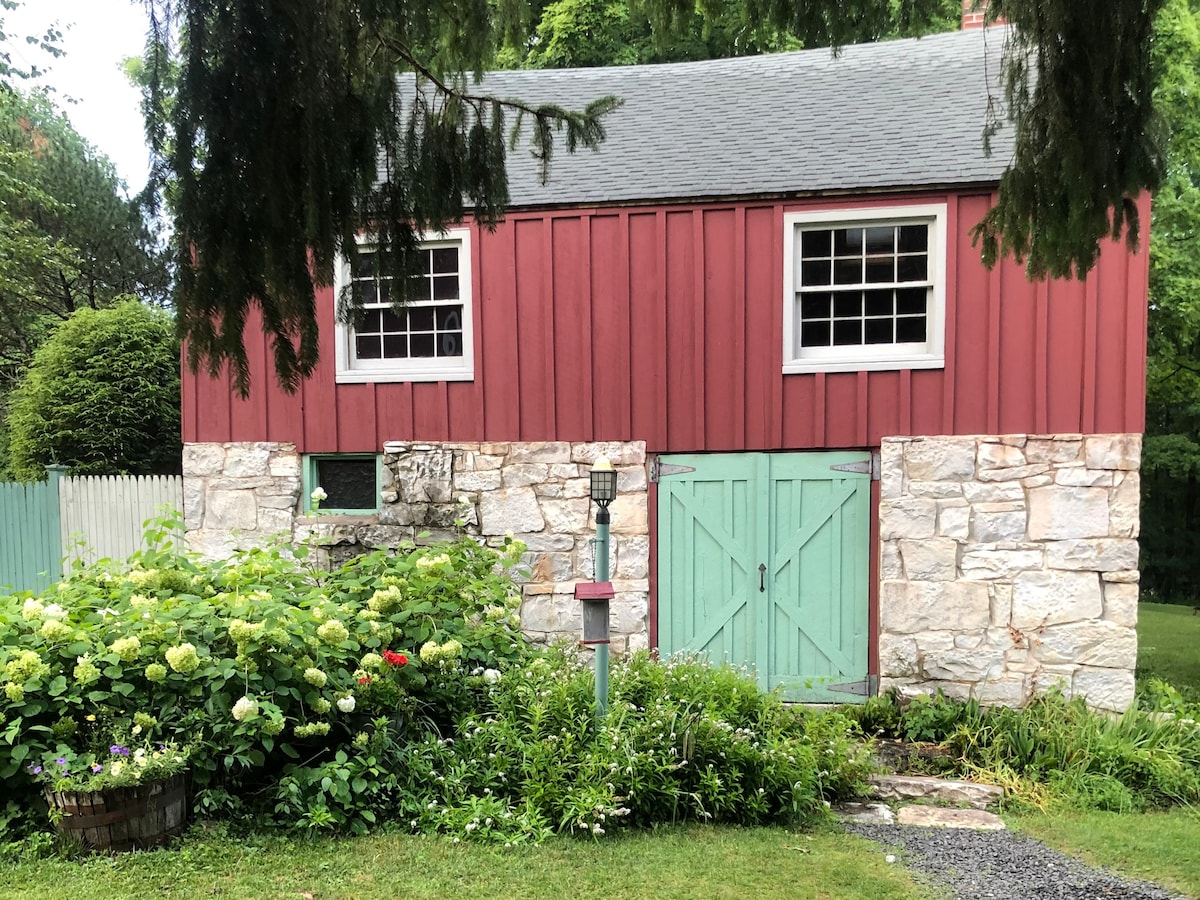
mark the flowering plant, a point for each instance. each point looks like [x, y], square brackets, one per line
[120, 767]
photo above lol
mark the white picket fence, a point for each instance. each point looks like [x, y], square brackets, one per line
[103, 515]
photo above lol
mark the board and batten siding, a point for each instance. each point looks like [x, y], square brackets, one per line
[664, 324]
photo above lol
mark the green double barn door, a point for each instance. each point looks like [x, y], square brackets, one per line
[763, 562]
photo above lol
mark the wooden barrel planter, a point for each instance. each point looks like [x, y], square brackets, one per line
[121, 819]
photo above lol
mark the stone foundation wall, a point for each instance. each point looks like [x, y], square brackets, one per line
[1009, 566]
[243, 494]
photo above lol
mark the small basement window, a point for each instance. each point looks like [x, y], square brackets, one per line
[865, 289]
[350, 482]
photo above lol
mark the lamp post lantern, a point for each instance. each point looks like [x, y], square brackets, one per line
[603, 490]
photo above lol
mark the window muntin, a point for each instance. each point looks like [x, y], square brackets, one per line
[350, 482]
[430, 338]
[864, 289]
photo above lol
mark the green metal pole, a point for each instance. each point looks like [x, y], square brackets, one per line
[602, 522]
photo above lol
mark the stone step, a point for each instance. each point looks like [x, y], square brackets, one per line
[944, 817]
[865, 813]
[937, 790]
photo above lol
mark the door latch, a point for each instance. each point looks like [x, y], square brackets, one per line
[762, 576]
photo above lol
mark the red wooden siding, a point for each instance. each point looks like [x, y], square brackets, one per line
[664, 324]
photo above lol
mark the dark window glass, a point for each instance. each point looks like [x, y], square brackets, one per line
[881, 239]
[395, 346]
[848, 242]
[385, 291]
[911, 268]
[365, 292]
[371, 321]
[879, 331]
[445, 259]
[815, 306]
[814, 334]
[913, 239]
[420, 318]
[879, 303]
[445, 287]
[815, 243]
[848, 305]
[847, 332]
[847, 271]
[814, 272]
[348, 483]
[364, 266]
[450, 343]
[449, 318]
[910, 329]
[421, 344]
[910, 301]
[367, 346]
[425, 261]
[391, 321]
[880, 271]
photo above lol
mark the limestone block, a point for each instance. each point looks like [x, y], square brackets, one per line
[1052, 597]
[203, 459]
[510, 509]
[244, 483]
[1014, 473]
[637, 641]
[547, 540]
[1080, 476]
[998, 456]
[560, 471]
[539, 452]
[243, 460]
[424, 476]
[193, 503]
[522, 474]
[906, 607]
[487, 480]
[226, 510]
[551, 567]
[992, 522]
[955, 690]
[279, 501]
[1096, 643]
[1113, 451]
[1097, 554]
[1009, 690]
[1104, 688]
[1000, 604]
[891, 468]
[628, 613]
[1049, 450]
[631, 478]
[284, 464]
[1010, 440]
[550, 489]
[492, 449]
[933, 559]
[1036, 481]
[979, 664]
[1052, 678]
[935, 489]
[897, 656]
[566, 516]
[1127, 576]
[486, 463]
[934, 640]
[891, 567]
[619, 453]
[907, 519]
[940, 459]
[275, 521]
[580, 487]
[1121, 603]
[1059, 512]
[633, 556]
[953, 519]
[993, 491]
[1124, 506]
[552, 613]
[941, 790]
[212, 544]
[987, 563]
[629, 514]
[383, 535]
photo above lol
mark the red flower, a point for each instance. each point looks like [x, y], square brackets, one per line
[394, 659]
[366, 679]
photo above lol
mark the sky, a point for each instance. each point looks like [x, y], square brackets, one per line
[90, 87]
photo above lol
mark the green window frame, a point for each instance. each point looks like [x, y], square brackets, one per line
[310, 481]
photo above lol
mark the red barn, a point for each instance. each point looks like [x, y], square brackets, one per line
[849, 455]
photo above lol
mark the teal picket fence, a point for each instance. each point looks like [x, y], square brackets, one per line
[30, 535]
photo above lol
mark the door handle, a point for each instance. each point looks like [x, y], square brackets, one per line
[762, 574]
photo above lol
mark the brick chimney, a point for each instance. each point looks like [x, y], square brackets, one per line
[974, 14]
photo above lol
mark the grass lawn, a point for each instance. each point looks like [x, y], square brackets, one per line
[1163, 847]
[1169, 646]
[677, 862]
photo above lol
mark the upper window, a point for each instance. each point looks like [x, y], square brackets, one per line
[430, 338]
[864, 289]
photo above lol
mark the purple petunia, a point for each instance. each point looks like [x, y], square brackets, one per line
[118, 750]
[35, 770]
[97, 768]
[62, 761]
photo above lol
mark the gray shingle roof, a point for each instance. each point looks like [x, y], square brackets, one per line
[904, 113]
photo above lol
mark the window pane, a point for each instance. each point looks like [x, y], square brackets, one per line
[445, 259]
[385, 290]
[815, 306]
[847, 332]
[449, 318]
[881, 239]
[367, 347]
[348, 483]
[450, 343]
[879, 303]
[847, 271]
[814, 334]
[815, 272]
[445, 287]
[879, 331]
[370, 322]
[912, 268]
[815, 243]
[364, 292]
[392, 322]
[364, 266]
[913, 238]
[395, 346]
[848, 242]
[421, 345]
[910, 329]
[425, 264]
[420, 318]
[880, 269]
[847, 305]
[911, 300]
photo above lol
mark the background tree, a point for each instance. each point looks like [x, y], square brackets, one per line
[102, 396]
[1171, 456]
[290, 132]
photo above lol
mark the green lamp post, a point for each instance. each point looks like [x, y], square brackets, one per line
[603, 491]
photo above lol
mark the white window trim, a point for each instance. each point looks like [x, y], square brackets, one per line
[351, 371]
[872, 358]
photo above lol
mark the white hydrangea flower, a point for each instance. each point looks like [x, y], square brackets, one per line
[318, 495]
[346, 704]
[244, 709]
[54, 611]
[491, 676]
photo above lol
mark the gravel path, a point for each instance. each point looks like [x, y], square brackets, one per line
[1001, 865]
